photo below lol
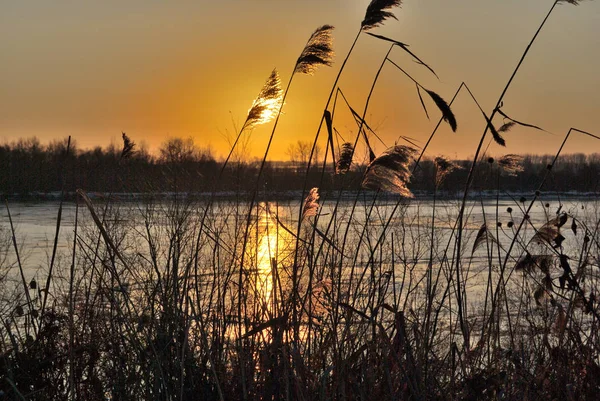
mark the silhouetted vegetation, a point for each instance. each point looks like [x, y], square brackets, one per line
[340, 297]
[33, 169]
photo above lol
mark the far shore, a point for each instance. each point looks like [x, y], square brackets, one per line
[286, 195]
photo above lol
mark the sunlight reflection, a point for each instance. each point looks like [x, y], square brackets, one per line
[273, 248]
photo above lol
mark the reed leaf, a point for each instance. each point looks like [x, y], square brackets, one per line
[421, 99]
[361, 122]
[529, 263]
[329, 124]
[390, 172]
[327, 240]
[318, 51]
[550, 232]
[280, 322]
[404, 47]
[371, 152]
[512, 122]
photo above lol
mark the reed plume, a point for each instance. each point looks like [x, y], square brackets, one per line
[267, 103]
[377, 13]
[311, 205]
[447, 113]
[390, 172]
[128, 146]
[495, 134]
[318, 51]
[443, 167]
[345, 158]
[511, 164]
[507, 126]
[483, 236]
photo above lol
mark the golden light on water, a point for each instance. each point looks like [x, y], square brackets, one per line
[274, 247]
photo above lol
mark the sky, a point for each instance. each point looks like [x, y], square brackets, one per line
[160, 69]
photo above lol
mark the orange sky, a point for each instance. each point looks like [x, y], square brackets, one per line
[157, 69]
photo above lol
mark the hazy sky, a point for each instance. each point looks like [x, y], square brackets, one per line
[192, 68]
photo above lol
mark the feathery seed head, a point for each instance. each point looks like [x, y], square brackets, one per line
[318, 51]
[511, 164]
[390, 172]
[507, 126]
[128, 146]
[377, 13]
[311, 205]
[345, 160]
[443, 168]
[266, 104]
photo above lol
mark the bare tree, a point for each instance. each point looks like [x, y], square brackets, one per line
[178, 150]
[299, 153]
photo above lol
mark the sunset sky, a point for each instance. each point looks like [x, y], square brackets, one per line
[156, 69]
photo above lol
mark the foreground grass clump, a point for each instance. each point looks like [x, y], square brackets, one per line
[337, 295]
[150, 312]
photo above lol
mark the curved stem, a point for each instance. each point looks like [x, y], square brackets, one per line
[253, 200]
[476, 157]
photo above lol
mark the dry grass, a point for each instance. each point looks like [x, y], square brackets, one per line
[416, 299]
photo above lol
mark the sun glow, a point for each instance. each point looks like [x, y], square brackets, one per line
[268, 110]
[267, 103]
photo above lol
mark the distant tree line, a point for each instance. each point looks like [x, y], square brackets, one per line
[29, 168]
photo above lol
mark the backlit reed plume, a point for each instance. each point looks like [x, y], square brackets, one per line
[574, 2]
[318, 51]
[266, 104]
[311, 205]
[443, 167]
[377, 13]
[390, 172]
[128, 146]
[345, 158]
[511, 164]
[550, 232]
[483, 236]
